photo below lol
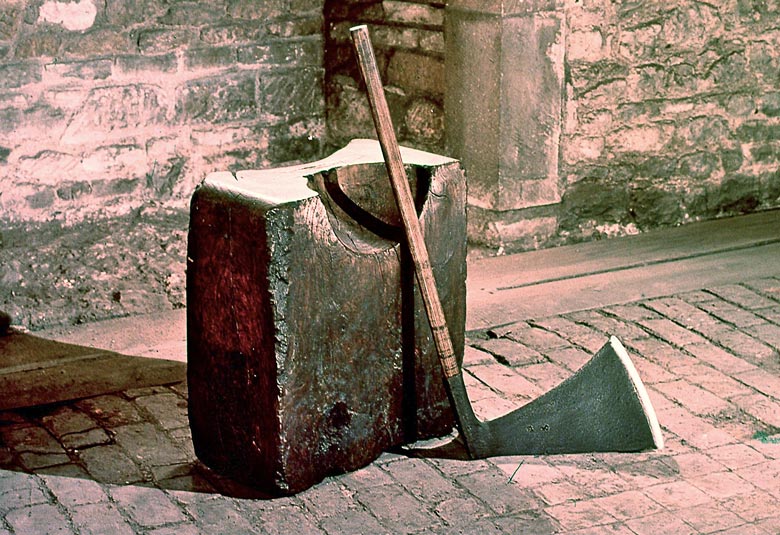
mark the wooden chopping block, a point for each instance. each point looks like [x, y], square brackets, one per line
[309, 352]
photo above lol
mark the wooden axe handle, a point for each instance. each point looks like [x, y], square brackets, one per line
[403, 197]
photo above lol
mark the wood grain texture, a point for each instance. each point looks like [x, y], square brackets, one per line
[308, 348]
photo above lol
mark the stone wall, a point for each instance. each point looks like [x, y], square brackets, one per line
[671, 115]
[105, 106]
[111, 112]
[408, 40]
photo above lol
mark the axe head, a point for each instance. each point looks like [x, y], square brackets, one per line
[602, 407]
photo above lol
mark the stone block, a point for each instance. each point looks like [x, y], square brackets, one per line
[9, 20]
[155, 41]
[14, 75]
[191, 14]
[136, 65]
[38, 43]
[291, 94]
[205, 58]
[405, 70]
[309, 352]
[113, 110]
[218, 99]
[98, 42]
[253, 10]
[503, 104]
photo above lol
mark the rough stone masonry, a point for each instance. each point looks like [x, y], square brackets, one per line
[655, 114]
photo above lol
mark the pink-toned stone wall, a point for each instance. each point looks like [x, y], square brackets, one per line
[107, 106]
[671, 113]
[408, 40]
[626, 116]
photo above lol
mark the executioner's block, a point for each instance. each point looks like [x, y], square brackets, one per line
[309, 352]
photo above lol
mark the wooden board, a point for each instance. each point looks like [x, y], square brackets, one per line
[578, 277]
[37, 371]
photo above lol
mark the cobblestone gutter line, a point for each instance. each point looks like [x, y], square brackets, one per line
[124, 463]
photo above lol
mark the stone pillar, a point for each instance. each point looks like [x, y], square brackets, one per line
[503, 112]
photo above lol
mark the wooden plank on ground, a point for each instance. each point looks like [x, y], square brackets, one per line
[663, 245]
[491, 308]
[37, 371]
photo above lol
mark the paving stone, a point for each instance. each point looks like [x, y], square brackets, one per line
[709, 518]
[753, 506]
[769, 525]
[70, 470]
[618, 528]
[745, 346]
[765, 382]
[503, 497]
[677, 494]
[507, 381]
[625, 331]
[713, 381]
[760, 407]
[672, 333]
[34, 439]
[110, 464]
[522, 523]
[695, 399]
[65, 420]
[461, 510]
[732, 314]
[395, 508]
[576, 333]
[214, 514]
[34, 461]
[18, 490]
[649, 525]
[629, 504]
[647, 473]
[188, 528]
[421, 479]
[596, 479]
[571, 358]
[71, 492]
[631, 312]
[527, 472]
[355, 523]
[510, 352]
[85, 439]
[561, 492]
[719, 358]
[541, 340]
[149, 445]
[650, 372]
[693, 430]
[147, 506]
[697, 296]
[579, 515]
[545, 375]
[661, 353]
[41, 519]
[473, 356]
[100, 518]
[745, 297]
[111, 410]
[287, 519]
[721, 485]
[765, 476]
[168, 409]
[736, 456]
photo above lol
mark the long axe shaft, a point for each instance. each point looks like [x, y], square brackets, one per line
[545, 425]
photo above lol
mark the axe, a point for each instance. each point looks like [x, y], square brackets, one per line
[602, 407]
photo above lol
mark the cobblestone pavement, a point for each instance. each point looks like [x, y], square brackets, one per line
[124, 463]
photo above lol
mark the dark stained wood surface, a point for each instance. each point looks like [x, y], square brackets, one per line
[37, 371]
